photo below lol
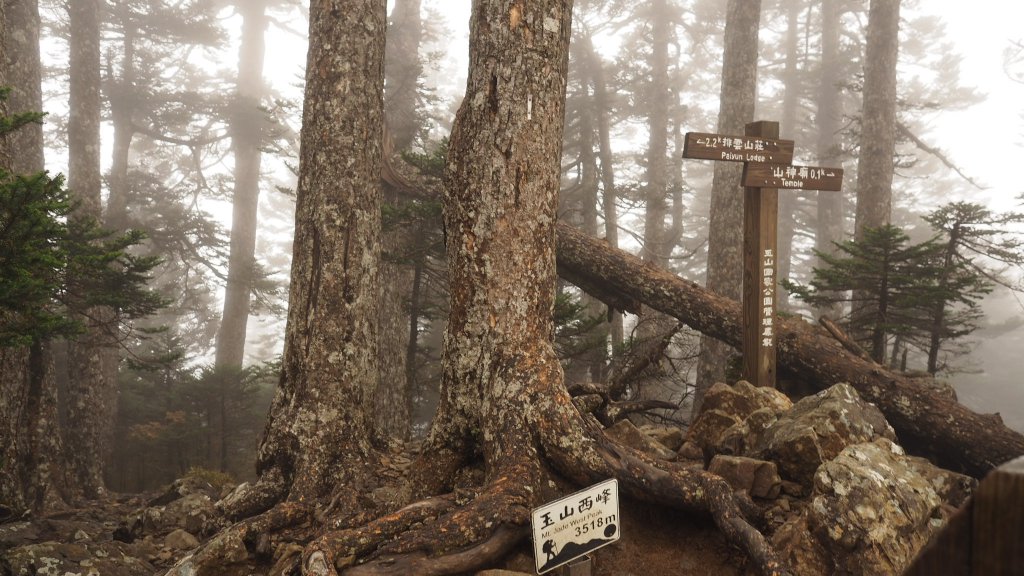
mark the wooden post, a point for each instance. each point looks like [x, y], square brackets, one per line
[767, 167]
[760, 250]
[997, 539]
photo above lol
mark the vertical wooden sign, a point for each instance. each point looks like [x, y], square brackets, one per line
[760, 250]
[767, 167]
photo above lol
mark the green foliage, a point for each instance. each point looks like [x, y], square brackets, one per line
[33, 257]
[925, 295]
[576, 331]
[888, 283]
[429, 163]
[55, 265]
[212, 477]
[978, 248]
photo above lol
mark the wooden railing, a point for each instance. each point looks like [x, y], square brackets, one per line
[986, 536]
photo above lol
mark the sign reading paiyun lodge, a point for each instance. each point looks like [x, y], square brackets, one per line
[767, 167]
[737, 148]
[575, 525]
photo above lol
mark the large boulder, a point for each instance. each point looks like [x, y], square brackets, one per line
[817, 429]
[743, 398]
[757, 478]
[870, 513]
[729, 407]
[626, 433]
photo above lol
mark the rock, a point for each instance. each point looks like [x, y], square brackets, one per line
[180, 540]
[741, 438]
[817, 429]
[670, 437]
[743, 398]
[870, 512]
[952, 488]
[801, 550]
[690, 451]
[189, 512]
[758, 478]
[183, 487]
[723, 427]
[80, 559]
[707, 430]
[625, 432]
[501, 573]
[16, 534]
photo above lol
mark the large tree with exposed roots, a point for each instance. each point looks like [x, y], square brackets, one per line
[504, 407]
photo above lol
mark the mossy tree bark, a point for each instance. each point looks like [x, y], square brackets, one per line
[92, 356]
[319, 432]
[30, 443]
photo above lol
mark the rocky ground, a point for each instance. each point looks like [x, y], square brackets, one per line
[841, 497]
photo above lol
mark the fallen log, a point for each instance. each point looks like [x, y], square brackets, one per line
[926, 422]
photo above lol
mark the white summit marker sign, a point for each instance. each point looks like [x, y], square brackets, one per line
[573, 526]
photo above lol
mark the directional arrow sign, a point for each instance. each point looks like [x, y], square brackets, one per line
[793, 177]
[704, 146]
[573, 526]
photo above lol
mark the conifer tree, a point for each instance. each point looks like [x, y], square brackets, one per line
[891, 282]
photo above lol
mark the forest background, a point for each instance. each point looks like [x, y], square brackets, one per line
[959, 89]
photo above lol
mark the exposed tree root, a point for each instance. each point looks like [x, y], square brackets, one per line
[497, 545]
[433, 536]
[581, 451]
[338, 549]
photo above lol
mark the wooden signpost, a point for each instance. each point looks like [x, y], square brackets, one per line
[767, 168]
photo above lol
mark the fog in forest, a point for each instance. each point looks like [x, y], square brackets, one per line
[201, 105]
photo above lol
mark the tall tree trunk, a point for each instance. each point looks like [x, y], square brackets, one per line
[595, 356]
[246, 138]
[24, 77]
[875, 165]
[92, 393]
[319, 431]
[122, 96]
[938, 329]
[878, 118]
[404, 70]
[655, 248]
[30, 445]
[725, 239]
[830, 206]
[609, 208]
[790, 104]
[392, 400]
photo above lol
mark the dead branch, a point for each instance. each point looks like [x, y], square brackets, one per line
[844, 339]
[904, 130]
